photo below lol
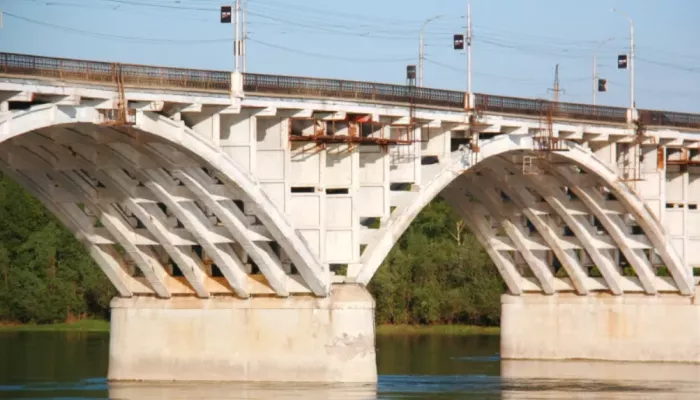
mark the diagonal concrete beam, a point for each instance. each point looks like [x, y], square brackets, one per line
[143, 256]
[614, 226]
[644, 217]
[233, 219]
[524, 200]
[578, 224]
[196, 222]
[485, 193]
[155, 221]
[192, 217]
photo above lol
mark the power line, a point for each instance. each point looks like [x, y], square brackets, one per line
[116, 37]
[525, 43]
[332, 57]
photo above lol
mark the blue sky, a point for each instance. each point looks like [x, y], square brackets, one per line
[517, 43]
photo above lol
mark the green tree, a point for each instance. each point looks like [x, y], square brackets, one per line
[437, 273]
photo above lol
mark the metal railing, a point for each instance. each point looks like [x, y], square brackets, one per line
[559, 110]
[669, 119]
[145, 76]
[380, 92]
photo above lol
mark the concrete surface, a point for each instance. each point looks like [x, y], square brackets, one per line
[297, 339]
[664, 328]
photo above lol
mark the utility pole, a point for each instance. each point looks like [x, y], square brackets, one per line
[631, 61]
[556, 90]
[595, 75]
[245, 34]
[237, 37]
[469, 47]
[421, 56]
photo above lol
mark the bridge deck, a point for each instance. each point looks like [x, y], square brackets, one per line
[157, 77]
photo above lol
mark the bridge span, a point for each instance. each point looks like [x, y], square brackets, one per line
[240, 217]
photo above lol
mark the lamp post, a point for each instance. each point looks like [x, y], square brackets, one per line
[595, 66]
[420, 52]
[469, 47]
[632, 105]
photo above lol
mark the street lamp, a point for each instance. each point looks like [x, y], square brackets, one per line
[632, 105]
[595, 66]
[420, 52]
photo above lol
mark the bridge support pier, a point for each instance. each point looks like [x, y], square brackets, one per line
[662, 328]
[295, 339]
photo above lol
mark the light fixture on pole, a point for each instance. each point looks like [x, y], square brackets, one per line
[420, 52]
[596, 83]
[631, 60]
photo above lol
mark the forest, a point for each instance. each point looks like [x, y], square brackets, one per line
[437, 274]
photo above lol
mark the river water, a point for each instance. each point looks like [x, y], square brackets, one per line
[42, 365]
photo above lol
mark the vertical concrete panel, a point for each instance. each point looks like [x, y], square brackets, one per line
[338, 173]
[270, 165]
[373, 201]
[305, 165]
[674, 185]
[308, 209]
[339, 212]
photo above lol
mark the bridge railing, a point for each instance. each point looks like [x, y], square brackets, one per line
[315, 87]
[533, 107]
[146, 76]
[669, 118]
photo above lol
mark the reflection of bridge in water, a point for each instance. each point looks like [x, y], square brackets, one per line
[237, 213]
[518, 380]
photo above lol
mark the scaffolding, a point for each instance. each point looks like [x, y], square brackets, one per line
[359, 129]
[354, 130]
[544, 141]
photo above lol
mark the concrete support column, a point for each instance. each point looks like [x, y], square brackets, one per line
[295, 339]
[663, 328]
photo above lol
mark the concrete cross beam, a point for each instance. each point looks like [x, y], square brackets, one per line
[232, 217]
[485, 193]
[524, 200]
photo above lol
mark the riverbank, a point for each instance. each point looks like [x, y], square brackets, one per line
[90, 325]
[87, 325]
[455, 330]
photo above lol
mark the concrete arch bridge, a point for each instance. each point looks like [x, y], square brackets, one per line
[221, 206]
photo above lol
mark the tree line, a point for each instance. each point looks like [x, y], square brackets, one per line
[437, 273]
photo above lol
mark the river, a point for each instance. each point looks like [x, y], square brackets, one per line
[42, 365]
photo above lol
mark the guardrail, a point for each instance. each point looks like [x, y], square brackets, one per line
[291, 85]
[146, 76]
[520, 106]
[103, 72]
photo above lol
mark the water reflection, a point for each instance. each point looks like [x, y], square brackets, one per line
[56, 365]
[598, 380]
[518, 380]
[243, 391]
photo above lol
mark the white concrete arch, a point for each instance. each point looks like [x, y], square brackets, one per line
[175, 134]
[501, 145]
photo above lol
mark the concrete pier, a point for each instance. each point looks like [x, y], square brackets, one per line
[662, 328]
[295, 339]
